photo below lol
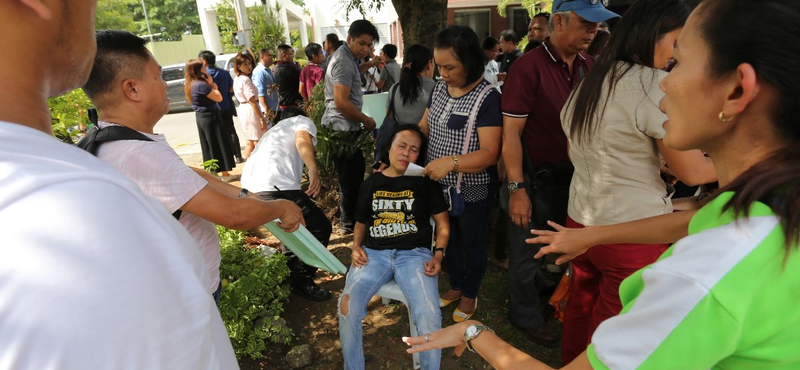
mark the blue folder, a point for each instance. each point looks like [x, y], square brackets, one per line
[306, 247]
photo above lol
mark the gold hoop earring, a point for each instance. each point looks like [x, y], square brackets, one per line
[722, 117]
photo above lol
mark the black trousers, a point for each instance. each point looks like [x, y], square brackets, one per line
[316, 223]
[525, 278]
[350, 173]
[227, 122]
[214, 141]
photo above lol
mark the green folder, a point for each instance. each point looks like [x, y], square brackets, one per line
[306, 247]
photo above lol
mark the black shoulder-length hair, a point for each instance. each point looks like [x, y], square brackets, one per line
[467, 49]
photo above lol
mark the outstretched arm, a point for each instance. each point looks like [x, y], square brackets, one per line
[667, 228]
[496, 351]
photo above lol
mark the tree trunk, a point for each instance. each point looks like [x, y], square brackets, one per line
[421, 20]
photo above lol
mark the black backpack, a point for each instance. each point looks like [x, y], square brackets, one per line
[96, 136]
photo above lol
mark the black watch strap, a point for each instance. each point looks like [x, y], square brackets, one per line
[439, 250]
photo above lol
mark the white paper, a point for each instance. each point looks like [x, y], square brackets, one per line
[413, 170]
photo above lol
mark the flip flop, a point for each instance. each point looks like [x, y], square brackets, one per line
[445, 302]
[459, 316]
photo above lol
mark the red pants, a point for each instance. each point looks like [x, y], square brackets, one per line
[594, 288]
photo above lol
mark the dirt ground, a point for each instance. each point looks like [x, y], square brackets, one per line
[315, 323]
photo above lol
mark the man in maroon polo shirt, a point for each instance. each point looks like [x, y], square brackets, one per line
[536, 88]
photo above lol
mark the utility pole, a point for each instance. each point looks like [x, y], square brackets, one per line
[147, 21]
[242, 21]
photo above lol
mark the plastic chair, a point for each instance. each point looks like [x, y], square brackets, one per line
[391, 291]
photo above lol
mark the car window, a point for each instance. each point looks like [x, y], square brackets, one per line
[172, 74]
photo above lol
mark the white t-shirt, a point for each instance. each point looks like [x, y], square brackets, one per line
[94, 274]
[373, 76]
[490, 74]
[617, 167]
[161, 174]
[275, 161]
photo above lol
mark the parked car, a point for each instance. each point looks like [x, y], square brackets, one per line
[225, 61]
[174, 76]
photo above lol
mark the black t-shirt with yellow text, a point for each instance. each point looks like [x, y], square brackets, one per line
[397, 211]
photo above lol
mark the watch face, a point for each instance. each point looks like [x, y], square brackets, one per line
[471, 331]
[513, 186]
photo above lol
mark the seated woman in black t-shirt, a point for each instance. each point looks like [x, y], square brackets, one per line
[392, 239]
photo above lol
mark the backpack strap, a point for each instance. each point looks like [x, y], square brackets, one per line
[96, 136]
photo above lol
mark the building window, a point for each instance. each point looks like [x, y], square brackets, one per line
[518, 20]
[480, 20]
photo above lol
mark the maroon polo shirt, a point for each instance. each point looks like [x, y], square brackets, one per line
[536, 88]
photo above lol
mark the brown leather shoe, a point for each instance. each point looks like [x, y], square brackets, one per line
[542, 335]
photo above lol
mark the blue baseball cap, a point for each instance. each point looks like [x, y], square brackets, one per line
[590, 10]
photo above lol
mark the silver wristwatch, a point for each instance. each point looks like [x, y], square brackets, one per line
[472, 332]
[514, 186]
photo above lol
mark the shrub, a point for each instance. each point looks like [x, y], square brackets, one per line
[253, 295]
[68, 113]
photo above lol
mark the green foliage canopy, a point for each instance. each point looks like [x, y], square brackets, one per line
[171, 18]
[533, 6]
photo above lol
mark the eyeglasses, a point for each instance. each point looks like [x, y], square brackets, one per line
[593, 2]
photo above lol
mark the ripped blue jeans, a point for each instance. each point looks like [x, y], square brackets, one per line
[407, 267]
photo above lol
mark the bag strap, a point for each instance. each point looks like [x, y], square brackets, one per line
[473, 116]
[392, 93]
[96, 136]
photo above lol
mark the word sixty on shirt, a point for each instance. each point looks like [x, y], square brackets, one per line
[392, 215]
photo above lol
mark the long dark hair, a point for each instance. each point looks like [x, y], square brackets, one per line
[415, 60]
[467, 49]
[599, 43]
[774, 181]
[633, 42]
[192, 72]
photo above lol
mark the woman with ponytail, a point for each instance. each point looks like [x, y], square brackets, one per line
[415, 86]
[408, 98]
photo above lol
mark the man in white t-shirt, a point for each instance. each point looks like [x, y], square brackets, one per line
[95, 275]
[126, 87]
[274, 171]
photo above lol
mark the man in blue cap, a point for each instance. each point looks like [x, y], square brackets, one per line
[536, 88]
